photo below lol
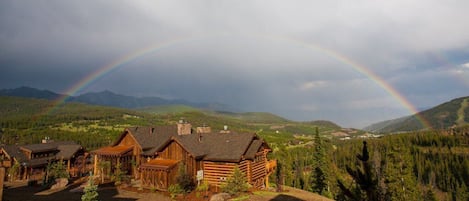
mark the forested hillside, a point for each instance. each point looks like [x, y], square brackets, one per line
[26, 120]
[445, 115]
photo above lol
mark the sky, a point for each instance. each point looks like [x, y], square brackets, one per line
[350, 62]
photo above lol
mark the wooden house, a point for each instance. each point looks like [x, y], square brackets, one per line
[30, 161]
[156, 153]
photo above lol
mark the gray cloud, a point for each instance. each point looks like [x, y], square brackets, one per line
[290, 58]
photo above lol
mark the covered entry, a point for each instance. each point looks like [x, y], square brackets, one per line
[159, 173]
[115, 156]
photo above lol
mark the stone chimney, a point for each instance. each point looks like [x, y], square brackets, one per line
[204, 129]
[184, 128]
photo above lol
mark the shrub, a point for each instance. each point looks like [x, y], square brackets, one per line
[202, 187]
[236, 183]
[184, 179]
[118, 174]
[174, 190]
[90, 191]
[57, 170]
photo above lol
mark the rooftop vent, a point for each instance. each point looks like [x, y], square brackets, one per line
[225, 129]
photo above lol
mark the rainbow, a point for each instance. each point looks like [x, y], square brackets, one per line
[135, 55]
[364, 71]
[109, 68]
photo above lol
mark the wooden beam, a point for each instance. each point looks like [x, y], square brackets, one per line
[95, 166]
[2, 176]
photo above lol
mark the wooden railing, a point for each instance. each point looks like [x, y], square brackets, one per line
[270, 166]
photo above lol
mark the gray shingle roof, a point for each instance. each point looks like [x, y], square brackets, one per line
[211, 146]
[43, 147]
[217, 146]
[66, 152]
[150, 137]
[253, 149]
[15, 152]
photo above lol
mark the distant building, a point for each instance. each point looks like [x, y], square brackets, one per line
[32, 159]
[152, 154]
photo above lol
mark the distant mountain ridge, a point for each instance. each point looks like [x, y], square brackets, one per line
[28, 92]
[108, 98]
[445, 115]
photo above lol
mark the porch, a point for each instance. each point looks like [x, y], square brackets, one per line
[110, 160]
[159, 173]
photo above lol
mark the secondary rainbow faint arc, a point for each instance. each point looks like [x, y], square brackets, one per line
[127, 58]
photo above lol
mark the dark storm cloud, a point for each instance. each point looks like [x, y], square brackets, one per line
[276, 56]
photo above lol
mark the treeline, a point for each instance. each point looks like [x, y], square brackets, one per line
[28, 121]
[90, 139]
[414, 166]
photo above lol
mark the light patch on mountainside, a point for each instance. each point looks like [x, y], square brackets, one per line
[461, 116]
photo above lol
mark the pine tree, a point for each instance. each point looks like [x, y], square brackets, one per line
[400, 181]
[319, 176]
[236, 183]
[90, 191]
[367, 185]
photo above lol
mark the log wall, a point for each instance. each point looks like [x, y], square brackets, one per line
[175, 151]
[216, 173]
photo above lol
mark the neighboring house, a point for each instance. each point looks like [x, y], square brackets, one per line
[32, 160]
[153, 154]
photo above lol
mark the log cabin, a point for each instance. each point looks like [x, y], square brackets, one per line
[31, 160]
[153, 154]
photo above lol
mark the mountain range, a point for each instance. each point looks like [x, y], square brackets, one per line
[108, 98]
[445, 115]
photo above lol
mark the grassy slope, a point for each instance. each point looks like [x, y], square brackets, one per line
[167, 109]
[36, 117]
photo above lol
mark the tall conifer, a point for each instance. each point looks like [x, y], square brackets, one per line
[366, 184]
[319, 176]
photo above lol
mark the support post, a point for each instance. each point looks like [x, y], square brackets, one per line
[2, 177]
[95, 165]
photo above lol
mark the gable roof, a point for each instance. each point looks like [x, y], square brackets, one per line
[14, 152]
[44, 147]
[67, 151]
[228, 147]
[253, 149]
[219, 146]
[149, 137]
